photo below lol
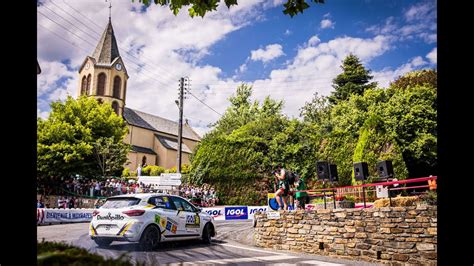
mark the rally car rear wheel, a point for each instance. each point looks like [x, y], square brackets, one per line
[150, 238]
[101, 242]
[206, 234]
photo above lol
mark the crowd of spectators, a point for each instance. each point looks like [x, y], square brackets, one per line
[70, 189]
[204, 196]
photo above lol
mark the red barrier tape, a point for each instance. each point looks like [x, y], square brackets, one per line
[414, 180]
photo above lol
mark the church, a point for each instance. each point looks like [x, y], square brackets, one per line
[154, 139]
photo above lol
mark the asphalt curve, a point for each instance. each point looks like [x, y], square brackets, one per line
[233, 245]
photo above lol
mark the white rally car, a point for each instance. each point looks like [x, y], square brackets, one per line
[149, 219]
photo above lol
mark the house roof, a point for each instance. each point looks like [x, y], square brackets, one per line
[170, 143]
[158, 124]
[107, 49]
[142, 150]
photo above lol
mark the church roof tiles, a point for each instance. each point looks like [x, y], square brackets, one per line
[158, 124]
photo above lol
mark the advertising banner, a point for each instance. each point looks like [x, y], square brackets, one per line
[236, 213]
[64, 215]
[216, 212]
[254, 209]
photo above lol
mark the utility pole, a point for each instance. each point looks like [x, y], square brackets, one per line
[182, 83]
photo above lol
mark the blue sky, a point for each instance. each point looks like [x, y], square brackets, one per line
[254, 42]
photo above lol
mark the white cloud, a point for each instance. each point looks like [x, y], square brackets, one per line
[288, 32]
[419, 21]
[385, 76]
[433, 56]
[269, 53]
[156, 46]
[327, 23]
[43, 115]
[313, 41]
[421, 11]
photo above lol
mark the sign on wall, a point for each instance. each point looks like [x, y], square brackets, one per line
[216, 212]
[236, 213]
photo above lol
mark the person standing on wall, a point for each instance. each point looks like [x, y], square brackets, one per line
[301, 197]
[282, 189]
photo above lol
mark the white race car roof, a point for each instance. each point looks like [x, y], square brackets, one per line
[141, 195]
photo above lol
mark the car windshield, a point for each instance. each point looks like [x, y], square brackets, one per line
[114, 203]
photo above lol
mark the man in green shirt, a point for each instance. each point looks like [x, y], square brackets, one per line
[301, 197]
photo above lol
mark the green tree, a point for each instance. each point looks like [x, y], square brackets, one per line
[200, 8]
[66, 140]
[110, 155]
[238, 155]
[354, 79]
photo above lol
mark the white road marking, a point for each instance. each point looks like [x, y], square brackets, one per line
[322, 263]
[236, 260]
[251, 249]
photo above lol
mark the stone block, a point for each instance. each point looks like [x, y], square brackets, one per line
[340, 215]
[425, 246]
[307, 226]
[292, 230]
[429, 255]
[396, 230]
[302, 231]
[360, 235]
[351, 244]
[371, 229]
[338, 246]
[400, 257]
[362, 246]
[359, 223]
[353, 252]
[350, 229]
[340, 241]
[385, 256]
[433, 231]
[348, 235]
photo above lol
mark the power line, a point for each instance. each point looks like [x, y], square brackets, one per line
[203, 103]
[171, 77]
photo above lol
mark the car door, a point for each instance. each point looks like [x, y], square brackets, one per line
[189, 219]
[165, 214]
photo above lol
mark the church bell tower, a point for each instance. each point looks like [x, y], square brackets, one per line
[103, 75]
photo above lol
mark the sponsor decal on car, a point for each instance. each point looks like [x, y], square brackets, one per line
[192, 220]
[110, 217]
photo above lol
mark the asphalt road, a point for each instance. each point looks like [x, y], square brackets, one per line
[233, 245]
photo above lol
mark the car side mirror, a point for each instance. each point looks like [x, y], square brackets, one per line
[199, 209]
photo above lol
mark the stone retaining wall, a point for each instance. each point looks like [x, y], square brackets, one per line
[390, 235]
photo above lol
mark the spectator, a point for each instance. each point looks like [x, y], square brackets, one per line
[282, 189]
[301, 197]
[71, 203]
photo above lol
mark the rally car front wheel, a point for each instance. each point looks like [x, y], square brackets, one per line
[207, 234]
[150, 238]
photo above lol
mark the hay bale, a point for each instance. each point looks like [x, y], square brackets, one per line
[396, 202]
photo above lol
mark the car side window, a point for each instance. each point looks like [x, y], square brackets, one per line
[163, 202]
[182, 205]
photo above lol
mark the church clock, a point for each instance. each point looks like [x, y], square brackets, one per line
[118, 66]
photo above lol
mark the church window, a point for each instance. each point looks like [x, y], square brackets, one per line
[88, 85]
[117, 83]
[101, 84]
[115, 106]
[83, 86]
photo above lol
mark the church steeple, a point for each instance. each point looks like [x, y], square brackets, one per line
[107, 49]
[103, 75]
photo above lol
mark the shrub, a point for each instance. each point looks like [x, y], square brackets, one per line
[53, 253]
[126, 172]
[171, 170]
[430, 198]
[146, 170]
[156, 170]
